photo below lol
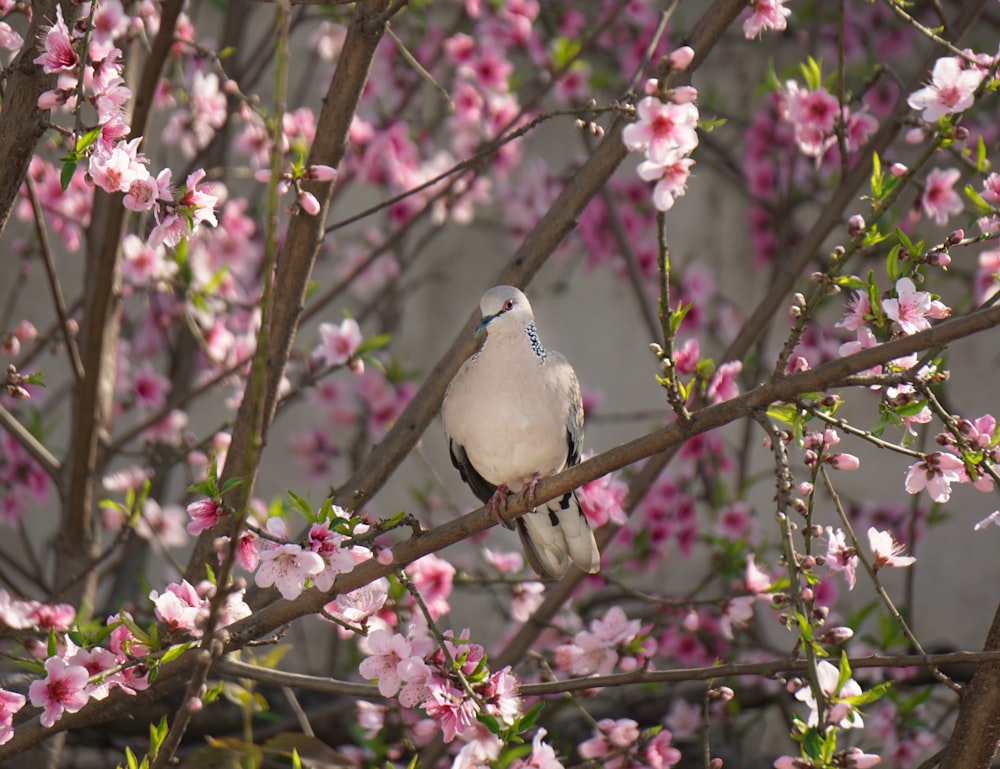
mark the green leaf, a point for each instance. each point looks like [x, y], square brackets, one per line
[301, 505]
[86, 139]
[877, 181]
[981, 206]
[231, 484]
[66, 175]
[892, 264]
[528, 720]
[373, 343]
[812, 73]
[786, 412]
[174, 652]
[490, 722]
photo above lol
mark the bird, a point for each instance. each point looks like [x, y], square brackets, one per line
[513, 415]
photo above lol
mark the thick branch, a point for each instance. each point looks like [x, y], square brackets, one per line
[21, 122]
[298, 254]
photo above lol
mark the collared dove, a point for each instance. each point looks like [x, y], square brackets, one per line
[513, 415]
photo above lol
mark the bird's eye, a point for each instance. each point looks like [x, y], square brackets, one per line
[508, 305]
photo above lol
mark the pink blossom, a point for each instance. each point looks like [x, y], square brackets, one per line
[205, 513]
[115, 169]
[842, 714]
[149, 388]
[671, 180]
[609, 736]
[357, 606]
[62, 690]
[909, 308]
[542, 755]
[601, 500]
[859, 312]
[737, 612]
[684, 718]
[723, 385]
[180, 607]
[856, 758]
[338, 343]
[433, 577]
[453, 710]
[886, 551]
[757, 581]
[813, 114]
[664, 132]
[10, 703]
[287, 567]
[386, 651]
[952, 89]
[840, 557]
[935, 472]
[765, 14]
[939, 199]
[336, 558]
[59, 52]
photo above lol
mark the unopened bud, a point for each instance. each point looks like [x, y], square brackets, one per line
[855, 225]
[898, 170]
[722, 693]
[684, 94]
[807, 594]
[680, 59]
[955, 237]
[651, 87]
[813, 531]
[806, 488]
[837, 635]
[939, 259]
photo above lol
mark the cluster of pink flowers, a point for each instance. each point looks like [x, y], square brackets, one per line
[814, 115]
[666, 133]
[617, 744]
[452, 684]
[611, 642]
[182, 607]
[114, 163]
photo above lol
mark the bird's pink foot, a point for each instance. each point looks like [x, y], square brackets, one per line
[528, 492]
[497, 504]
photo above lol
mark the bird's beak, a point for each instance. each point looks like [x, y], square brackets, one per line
[487, 319]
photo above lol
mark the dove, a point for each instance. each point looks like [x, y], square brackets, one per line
[513, 415]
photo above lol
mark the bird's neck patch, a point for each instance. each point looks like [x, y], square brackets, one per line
[536, 343]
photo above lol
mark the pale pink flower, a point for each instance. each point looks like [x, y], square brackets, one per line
[841, 714]
[859, 312]
[338, 343]
[336, 559]
[357, 606]
[542, 755]
[952, 89]
[813, 114]
[765, 14]
[10, 40]
[180, 607]
[664, 132]
[757, 581]
[609, 736]
[886, 551]
[453, 710]
[10, 703]
[671, 180]
[116, 169]
[287, 567]
[59, 53]
[939, 199]
[857, 759]
[737, 612]
[909, 308]
[840, 557]
[62, 690]
[684, 718]
[935, 472]
[97, 662]
[386, 651]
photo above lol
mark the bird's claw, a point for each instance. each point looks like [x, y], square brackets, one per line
[497, 505]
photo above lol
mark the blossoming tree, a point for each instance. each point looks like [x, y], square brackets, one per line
[177, 184]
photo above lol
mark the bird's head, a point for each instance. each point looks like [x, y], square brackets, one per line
[504, 307]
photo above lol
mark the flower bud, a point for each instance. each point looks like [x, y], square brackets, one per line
[837, 635]
[684, 94]
[680, 59]
[721, 693]
[309, 203]
[321, 173]
[855, 225]
[651, 87]
[898, 170]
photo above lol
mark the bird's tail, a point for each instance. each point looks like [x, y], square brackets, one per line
[555, 534]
